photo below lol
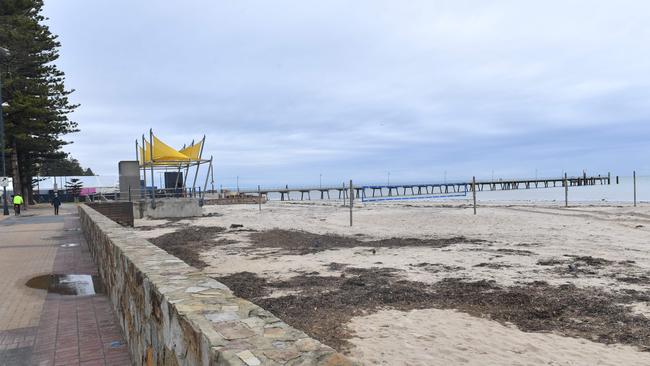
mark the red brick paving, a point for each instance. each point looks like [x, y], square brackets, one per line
[73, 330]
[79, 331]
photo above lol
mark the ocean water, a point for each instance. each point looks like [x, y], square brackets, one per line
[622, 192]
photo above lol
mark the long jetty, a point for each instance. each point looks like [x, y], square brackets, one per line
[363, 191]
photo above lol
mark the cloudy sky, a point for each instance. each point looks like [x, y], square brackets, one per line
[288, 90]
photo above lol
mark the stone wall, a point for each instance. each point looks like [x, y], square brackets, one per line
[172, 314]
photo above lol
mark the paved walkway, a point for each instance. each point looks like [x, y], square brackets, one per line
[41, 328]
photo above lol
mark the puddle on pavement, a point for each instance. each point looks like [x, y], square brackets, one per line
[68, 284]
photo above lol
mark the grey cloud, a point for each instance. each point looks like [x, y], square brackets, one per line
[288, 89]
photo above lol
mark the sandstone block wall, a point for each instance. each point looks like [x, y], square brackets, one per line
[172, 314]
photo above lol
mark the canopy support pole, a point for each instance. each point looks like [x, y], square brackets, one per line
[196, 174]
[212, 175]
[207, 175]
[137, 157]
[178, 173]
[153, 188]
[144, 170]
[187, 171]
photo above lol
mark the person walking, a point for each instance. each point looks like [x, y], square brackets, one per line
[56, 202]
[18, 200]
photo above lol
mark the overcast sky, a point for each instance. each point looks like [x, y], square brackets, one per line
[288, 90]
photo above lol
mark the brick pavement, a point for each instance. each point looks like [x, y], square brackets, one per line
[41, 328]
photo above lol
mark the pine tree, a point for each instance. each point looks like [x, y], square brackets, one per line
[61, 167]
[73, 186]
[37, 117]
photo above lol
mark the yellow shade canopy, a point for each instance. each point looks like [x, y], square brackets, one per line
[193, 151]
[164, 154]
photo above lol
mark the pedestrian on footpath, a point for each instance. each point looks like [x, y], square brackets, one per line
[56, 202]
[18, 200]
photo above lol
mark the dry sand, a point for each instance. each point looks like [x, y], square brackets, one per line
[523, 243]
[446, 337]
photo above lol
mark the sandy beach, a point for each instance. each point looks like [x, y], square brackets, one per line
[429, 283]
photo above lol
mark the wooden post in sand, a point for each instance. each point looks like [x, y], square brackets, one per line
[351, 201]
[634, 183]
[259, 197]
[474, 192]
[566, 191]
[344, 193]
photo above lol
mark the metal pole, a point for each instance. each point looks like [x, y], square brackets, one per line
[153, 189]
[212, 176]
[344, 194]
[5, 207]
[634, 182]
[474, 192]
[566, 191]
[187, 170]
[144, 170]
[351, 201]
[259, 197]
[207, 175]
[178, 174]
[198, 164]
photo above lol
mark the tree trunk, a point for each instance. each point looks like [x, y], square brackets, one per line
[30, 194]
[25, 189]
[25, 180]
[15, 170]
[30, 191]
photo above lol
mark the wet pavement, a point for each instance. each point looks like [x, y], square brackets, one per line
[67, 284]
[52, 310]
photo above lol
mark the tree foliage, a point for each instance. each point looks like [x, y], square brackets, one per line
[63, 167]
[38, 115]
[74, 186]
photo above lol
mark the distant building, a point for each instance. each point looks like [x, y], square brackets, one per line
[96, 184]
